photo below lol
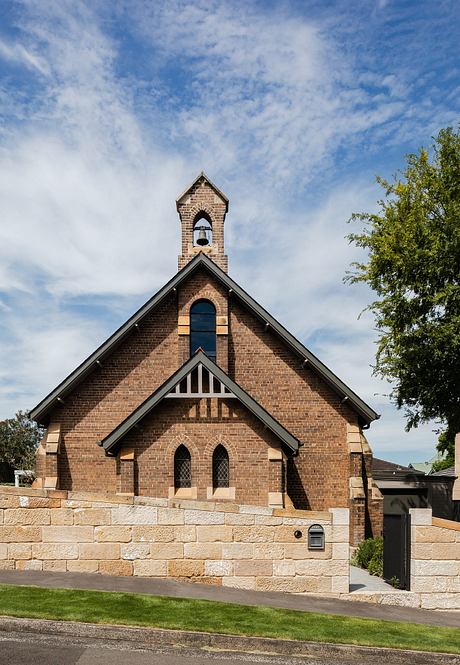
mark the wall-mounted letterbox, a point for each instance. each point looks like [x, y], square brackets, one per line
[316, 537]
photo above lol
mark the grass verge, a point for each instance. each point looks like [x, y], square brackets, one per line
[214, 617]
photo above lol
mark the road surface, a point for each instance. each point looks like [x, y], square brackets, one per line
[23, 648]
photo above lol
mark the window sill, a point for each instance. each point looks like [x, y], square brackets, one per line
[220, 493]
[182, 493]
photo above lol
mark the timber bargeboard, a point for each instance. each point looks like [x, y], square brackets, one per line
[199, 360]
[42, 410]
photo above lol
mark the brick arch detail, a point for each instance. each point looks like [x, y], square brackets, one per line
[171, 450]
[206, 294]
[193, 212]
[212, 445]
[184, 439]
[204, 213]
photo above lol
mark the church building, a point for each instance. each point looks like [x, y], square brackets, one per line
[203, 395]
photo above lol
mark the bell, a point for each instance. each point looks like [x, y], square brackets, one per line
[202, 237]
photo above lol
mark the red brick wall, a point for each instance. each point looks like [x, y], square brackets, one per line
[257, 360]
[109, 394]
[302, 402]
[201, 425]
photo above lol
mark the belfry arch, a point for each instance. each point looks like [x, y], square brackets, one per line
[203, 204]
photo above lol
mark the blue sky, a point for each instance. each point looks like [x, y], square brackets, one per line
[109, 109]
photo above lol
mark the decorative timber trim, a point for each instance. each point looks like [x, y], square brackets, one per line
[200, 382]
[219, 385]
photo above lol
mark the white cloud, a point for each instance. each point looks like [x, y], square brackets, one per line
[41, 344]
[85, 226]
[20, 55]
[266, 90]
[85, 205]
[308, 255]
[88, 181]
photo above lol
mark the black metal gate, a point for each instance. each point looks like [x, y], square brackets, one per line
[396, 550]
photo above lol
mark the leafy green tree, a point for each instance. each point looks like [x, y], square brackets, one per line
[413, 266]
[446, 446]
[19, 439]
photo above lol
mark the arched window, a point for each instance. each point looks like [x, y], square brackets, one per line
[203, 328]
[202, 230]
[220, 468]
[182, 468]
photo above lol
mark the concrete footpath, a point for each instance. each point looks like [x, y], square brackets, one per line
[168, 587]
[362, 582]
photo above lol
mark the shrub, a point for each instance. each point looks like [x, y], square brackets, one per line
[375, 566]
[369, 554]
[364, 553]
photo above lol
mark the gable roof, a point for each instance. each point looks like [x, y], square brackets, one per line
[199, 359]
[41, 411]
[211, 184]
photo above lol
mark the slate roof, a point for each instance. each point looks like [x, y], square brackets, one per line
[199, 358]
[41, 412]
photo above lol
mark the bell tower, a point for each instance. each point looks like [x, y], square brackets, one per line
[202, 209]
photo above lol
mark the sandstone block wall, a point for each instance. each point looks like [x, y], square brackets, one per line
[251, 547]
[435, 560]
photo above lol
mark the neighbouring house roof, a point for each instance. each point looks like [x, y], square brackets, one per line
[449, 472]
[199, 359]
[391, 476]
[201, 261]
[210, 183]
[427, 466]
[424, 467]
[381, 468]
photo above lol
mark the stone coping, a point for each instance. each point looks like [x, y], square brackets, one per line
[91, 497]
[445, 524]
